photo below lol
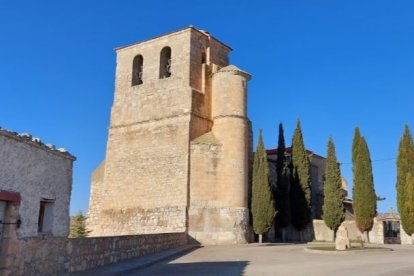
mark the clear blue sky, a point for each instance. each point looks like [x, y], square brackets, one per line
[333, 64]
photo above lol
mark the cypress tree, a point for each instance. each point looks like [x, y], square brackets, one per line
[405, 165]
[357, 137]
[333, 204]
[282, 185]
[408, 221]
[364, 197]
[300, 190]
[281, 150]
[262, 200]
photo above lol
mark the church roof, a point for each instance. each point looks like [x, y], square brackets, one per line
[233, 68]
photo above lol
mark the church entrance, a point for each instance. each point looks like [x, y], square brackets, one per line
[392, 232]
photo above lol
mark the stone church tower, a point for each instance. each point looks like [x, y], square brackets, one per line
[178, 143]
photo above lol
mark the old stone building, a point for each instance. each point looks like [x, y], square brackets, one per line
[35, 189]
[178, 143]
[317, 173]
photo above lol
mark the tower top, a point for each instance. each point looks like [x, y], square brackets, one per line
[186, 29]
[235, 70]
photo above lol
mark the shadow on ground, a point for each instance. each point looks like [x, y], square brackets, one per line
[203, 268]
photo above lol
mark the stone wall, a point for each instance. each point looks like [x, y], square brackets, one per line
[87, 253]
[43, 256]
[47, 255]
[405, 238]
[323, 233]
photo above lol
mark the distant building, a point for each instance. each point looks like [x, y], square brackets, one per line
[317, 173]
[35, 189]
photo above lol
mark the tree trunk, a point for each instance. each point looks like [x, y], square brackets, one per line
[367, 236]
[362, 239]
[260, 238]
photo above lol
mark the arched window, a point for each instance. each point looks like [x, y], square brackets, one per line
[165, 63]
[137, 68]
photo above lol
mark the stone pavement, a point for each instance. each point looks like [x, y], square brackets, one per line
[275, 259]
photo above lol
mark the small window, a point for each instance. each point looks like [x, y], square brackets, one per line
[165, 63]
[137, 69]
[203, 58]
[45, 216]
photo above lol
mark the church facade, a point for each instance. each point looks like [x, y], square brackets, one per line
[179, 143]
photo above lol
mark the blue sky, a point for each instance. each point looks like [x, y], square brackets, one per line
[333, 64]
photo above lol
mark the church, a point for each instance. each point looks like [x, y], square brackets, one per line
[179, 143]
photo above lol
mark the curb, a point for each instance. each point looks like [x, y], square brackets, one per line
[317, 251]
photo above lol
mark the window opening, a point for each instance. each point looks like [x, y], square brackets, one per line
[165, 63]
[137, 70]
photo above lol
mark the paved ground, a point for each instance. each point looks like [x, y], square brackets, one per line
[273, 259]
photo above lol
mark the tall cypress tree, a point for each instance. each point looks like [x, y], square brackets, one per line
[262, 200]
[281, 150]
[355, 142]
[408, 221]
[364, 197]
[283, 178]
[300, 190]
[405, 165]
[333, 204]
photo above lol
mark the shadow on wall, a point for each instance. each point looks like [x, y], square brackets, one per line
[204, 268]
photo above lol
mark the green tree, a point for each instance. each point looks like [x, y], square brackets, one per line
[408, 222]
[282, 188]
[263, 210]
[333, 204]
[78, 226]
[300, 189]
[405, 165]
[355, 143]
[364, 197]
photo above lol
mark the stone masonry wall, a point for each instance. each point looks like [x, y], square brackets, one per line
[47, 255]
[323, 233]
[143, 187]
[87, 253]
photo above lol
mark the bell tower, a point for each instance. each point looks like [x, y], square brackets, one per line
[167, 95]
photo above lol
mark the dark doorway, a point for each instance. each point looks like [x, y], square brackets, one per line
[392, 232]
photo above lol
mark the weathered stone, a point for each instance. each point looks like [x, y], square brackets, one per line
[176, 144]
[342, 241]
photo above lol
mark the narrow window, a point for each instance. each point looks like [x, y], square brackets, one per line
[45, 221]
[203, 58]
[165, 63]
[137, 68]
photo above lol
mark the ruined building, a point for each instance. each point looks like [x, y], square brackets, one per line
[178, 143]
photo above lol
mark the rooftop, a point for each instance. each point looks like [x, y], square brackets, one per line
[36, 142]
[289, 150]
[170, 33]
